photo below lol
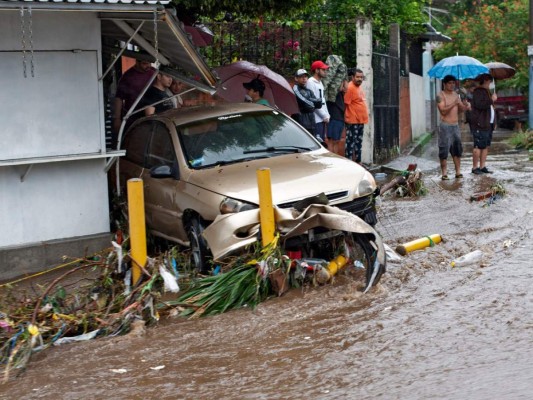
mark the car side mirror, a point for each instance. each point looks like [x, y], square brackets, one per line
[163, 171]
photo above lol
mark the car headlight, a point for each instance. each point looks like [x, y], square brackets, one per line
[367, 185]
[229, 206]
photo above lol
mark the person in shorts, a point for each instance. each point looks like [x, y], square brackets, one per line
[450, 104]
[482, 123]
[336, 121]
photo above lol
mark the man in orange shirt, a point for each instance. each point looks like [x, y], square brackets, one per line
[355, 115]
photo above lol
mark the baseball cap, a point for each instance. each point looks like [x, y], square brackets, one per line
[255, 84]
[301, 72]
[318, 65]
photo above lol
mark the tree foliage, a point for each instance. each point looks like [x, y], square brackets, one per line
[382, 13]
[243, 8]
[407, 13]
[492, 32]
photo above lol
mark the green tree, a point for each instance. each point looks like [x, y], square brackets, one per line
[242, 8]
[408, 14]
[493, 32]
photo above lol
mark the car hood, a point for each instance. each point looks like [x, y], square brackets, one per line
[293, 177]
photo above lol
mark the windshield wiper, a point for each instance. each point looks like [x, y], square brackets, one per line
[274, 149]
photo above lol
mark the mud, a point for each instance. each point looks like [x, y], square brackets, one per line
[428, 331]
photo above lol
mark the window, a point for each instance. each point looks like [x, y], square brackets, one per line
[136, 142]
[161, 150]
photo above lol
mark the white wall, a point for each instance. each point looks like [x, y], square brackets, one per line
[57, 112]
[364, 63]
[418, 105]
[55, 201]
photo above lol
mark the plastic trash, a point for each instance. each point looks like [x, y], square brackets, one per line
[468, 259]
[171, 284]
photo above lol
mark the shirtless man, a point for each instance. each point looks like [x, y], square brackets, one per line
[449, 104]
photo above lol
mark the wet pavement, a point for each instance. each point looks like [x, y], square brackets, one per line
[427, 331]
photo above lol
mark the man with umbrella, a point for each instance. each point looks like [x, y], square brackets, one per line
[450, 104]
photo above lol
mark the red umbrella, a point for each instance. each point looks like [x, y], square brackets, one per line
[499, 70]
[201, 35]
[278, 91]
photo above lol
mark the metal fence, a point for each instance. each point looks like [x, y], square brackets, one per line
[386, 68]
[281, 47]
[284, 49]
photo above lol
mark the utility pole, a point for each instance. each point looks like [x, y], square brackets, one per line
[530, 55]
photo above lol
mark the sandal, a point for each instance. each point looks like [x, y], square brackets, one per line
[445, 178]
[458, 176]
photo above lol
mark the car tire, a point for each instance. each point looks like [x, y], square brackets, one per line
[199, 250]
[370, 255]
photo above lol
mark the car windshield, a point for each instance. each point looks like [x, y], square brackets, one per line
[241, 137]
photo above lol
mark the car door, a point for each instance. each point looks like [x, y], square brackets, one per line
[161, 193]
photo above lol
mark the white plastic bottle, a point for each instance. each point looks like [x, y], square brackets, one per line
[468, 259]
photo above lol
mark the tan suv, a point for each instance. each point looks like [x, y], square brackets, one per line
[198, 163]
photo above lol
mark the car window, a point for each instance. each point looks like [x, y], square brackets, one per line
[238, 137]
[161, 150]
[136, 141]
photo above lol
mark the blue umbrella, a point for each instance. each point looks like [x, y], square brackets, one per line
[462, 67]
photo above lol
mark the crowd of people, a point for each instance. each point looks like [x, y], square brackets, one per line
[347, 112]
[328, 119]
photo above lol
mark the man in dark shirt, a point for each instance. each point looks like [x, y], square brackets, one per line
[307, 102]
[130, 85]
[157, 93]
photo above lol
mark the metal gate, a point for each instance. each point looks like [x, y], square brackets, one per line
[386, 68]
[281, 47]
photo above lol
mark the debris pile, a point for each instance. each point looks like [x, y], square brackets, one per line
[64, 312]
[407, 184]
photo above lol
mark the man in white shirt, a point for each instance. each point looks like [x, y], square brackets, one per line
[319, 71]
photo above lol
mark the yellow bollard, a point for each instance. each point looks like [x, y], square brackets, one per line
[266, 209]
[137, 227]
[418, 244]
[324, 275]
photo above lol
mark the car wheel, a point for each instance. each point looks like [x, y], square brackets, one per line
[368, 254]
[199, 250]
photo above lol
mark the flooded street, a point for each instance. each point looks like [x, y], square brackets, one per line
[427, 331]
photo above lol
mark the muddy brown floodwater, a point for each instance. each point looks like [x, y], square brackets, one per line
[427, 331]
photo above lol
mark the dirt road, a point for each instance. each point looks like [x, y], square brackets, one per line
[428, 331]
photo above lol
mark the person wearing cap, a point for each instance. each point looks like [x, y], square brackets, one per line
[481, 121]
[130, 85]
[156, 99]
[355, 116]
[450, 104]
[307, 102]
[256, 89]
[319, 71]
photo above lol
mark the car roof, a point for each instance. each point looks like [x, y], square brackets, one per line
[185, 115]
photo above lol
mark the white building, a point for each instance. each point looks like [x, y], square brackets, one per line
[53, 156]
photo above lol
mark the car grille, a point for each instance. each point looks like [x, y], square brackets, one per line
[363, 207]
[331, 197]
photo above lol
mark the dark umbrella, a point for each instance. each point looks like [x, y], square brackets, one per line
[201, 35]
[278, 92]
[499, 70]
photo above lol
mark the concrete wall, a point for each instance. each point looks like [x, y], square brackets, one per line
[405, 113]
[56, 112]
[418, 106]
[55, 200]
[364, 62]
